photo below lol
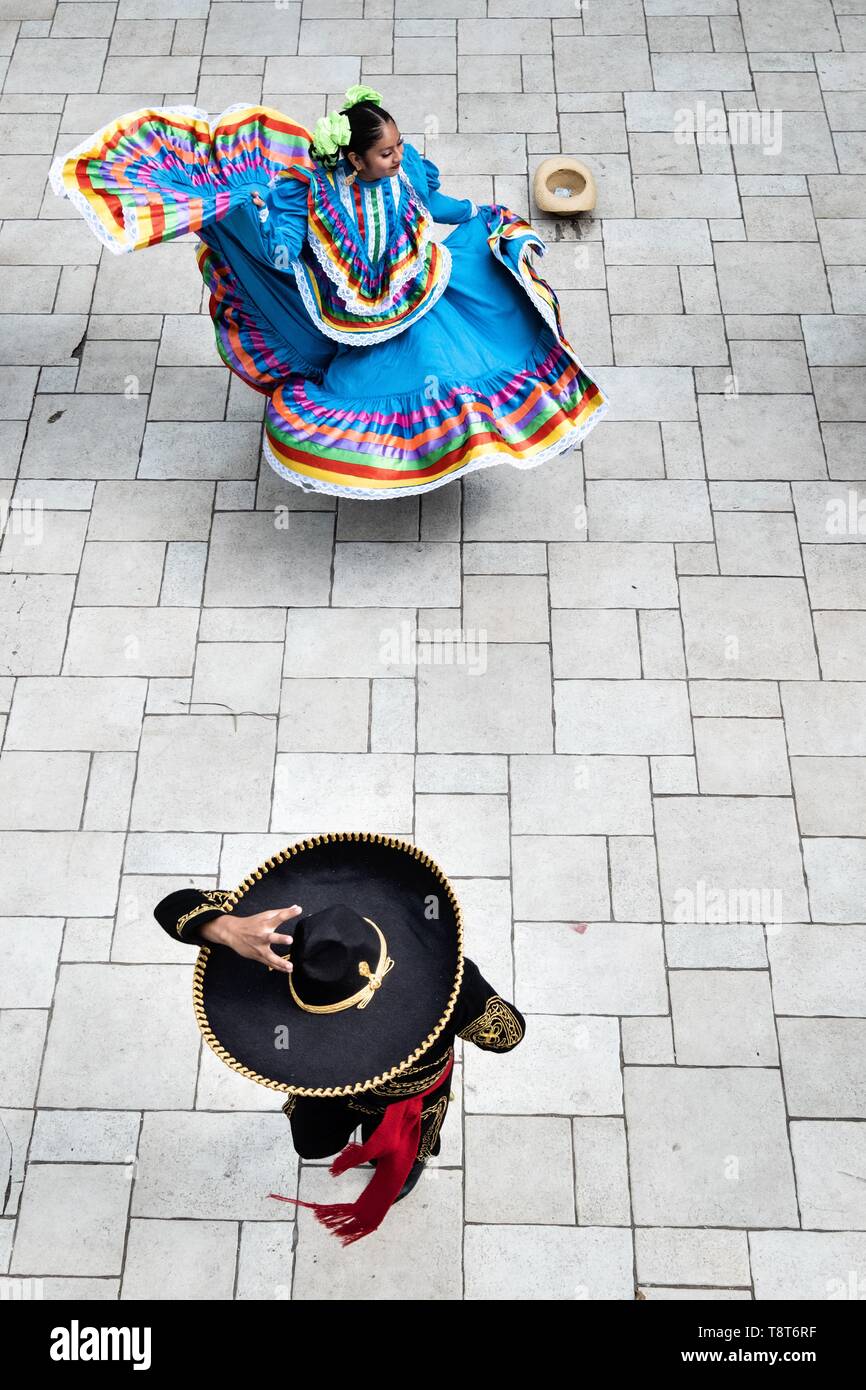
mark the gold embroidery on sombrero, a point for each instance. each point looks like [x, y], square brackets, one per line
[495, 1029]
[216, 897]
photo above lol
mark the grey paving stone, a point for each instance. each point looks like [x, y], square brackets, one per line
[504, 1158]
[762, 437]
[771, 278]
[699, 1257]
[742, 757]
[836, 575]
[580, 796]
[730, 1167]
[822, 1063]
[99, 437]
[590, 968]
[180, 1259]
[727, 859]
[68, 713]
[747, 629]
[841, 639]
[431, 1224]
[131, 641]
[72, 1220]
[830, 795]
[825, 719]
[253, 562]
[612, 575]
[556, 877]
[593, 642]
[107, 1017]
[22, 1033]
[249, 1151]
[565, 1064]
[175, 748]
[622, 716]
[327, 791]
[723, 1018]
[553, 1262]
[324, 715]
[500, 704]
[836, 872]
[817, 969]
[466, 835]
[648, 511]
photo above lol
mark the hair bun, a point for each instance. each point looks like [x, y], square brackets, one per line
[330, 134]
[360, 93]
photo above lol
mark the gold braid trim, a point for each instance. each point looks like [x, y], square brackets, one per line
[496, 1029]
[215, 898]
[233, 898]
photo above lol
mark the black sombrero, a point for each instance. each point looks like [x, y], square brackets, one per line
[378, 963]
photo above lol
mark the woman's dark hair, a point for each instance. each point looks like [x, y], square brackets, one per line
[367, 120]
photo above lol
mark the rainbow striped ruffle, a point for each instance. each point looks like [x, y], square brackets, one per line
[522, 418]
[156, 174]
[350, 296]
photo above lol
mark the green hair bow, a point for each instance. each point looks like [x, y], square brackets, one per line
[330, 134]
[359, 93]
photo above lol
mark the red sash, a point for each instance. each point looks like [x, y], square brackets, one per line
[394, 1144]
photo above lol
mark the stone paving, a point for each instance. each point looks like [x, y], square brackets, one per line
[621, 699]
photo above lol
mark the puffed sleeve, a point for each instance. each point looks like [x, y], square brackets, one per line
[181, 913]
[483, 1017]
[425, 177]
[283, 221]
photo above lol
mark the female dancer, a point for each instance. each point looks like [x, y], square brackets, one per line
[392, 363]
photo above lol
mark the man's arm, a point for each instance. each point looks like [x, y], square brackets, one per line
[196, 915]
[186, 913]
[483, 1017]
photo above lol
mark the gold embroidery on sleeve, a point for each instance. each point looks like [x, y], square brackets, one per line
[289, 1106]
[215, 898]
[496, 1029]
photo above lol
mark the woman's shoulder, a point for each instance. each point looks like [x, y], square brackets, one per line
[419, 168]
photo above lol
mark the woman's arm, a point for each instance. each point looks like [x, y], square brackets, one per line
[283, 221]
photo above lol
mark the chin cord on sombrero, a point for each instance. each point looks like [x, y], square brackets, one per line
[362, 997]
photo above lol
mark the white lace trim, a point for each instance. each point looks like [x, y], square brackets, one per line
[568, 441]
[379, 335]
[130, 217]
[340, 280]
[546, 310]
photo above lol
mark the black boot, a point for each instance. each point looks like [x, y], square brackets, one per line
[414, 1174]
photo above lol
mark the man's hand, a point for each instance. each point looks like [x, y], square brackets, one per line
[254, 937]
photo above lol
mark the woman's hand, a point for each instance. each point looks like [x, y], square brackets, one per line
[254, 937]
[257, 199]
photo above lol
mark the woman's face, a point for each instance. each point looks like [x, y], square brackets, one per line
[384, 158]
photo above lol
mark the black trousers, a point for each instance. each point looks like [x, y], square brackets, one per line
[322, 1126]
